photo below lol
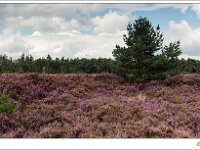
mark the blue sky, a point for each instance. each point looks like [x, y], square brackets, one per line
[91, 30]
[164, 15]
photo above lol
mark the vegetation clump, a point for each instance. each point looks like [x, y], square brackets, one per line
[6, 105]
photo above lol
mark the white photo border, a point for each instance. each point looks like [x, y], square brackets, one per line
[99, 144]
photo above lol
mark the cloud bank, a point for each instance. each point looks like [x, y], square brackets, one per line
[83, 30]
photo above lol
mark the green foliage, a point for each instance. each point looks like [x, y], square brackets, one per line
[27, 64]
[172, 51]
[139, 57]
[4, 98]
[6, 106]
[131, 78]
[177, 100]
[142, 42]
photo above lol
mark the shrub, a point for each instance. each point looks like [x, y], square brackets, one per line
[5, 104]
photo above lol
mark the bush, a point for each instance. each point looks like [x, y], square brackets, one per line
[131, 78]
[5, 104]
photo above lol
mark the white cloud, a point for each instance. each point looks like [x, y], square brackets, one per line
[11, 43]
[36, 33]
[69, 11]
[68, 44]
[64, 17]
[75, 45]
[112, 22]
[188, 36]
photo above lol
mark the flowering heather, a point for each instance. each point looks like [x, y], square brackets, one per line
[100, 106]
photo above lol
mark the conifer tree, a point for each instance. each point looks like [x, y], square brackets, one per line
[138, 59]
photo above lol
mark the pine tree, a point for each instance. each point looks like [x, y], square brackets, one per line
[138, 60]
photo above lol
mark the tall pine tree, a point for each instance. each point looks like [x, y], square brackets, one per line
[138, 59]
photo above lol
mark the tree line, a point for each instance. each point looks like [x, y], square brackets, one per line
[143, 58]
[27, 64]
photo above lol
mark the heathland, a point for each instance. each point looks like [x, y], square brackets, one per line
[98, 106]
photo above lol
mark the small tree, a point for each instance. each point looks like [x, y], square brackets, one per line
[171, 54]
[138, 60]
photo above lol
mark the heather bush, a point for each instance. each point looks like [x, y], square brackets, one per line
[33, 77]
[6, 124]
[56, 130]
[162, 130]
[108, 78]
[33, 92]
[173, 81]
[192, 79]
[35, 116]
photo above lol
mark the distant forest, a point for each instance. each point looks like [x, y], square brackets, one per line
[27, 64]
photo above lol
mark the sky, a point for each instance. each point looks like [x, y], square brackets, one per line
[91, 30]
